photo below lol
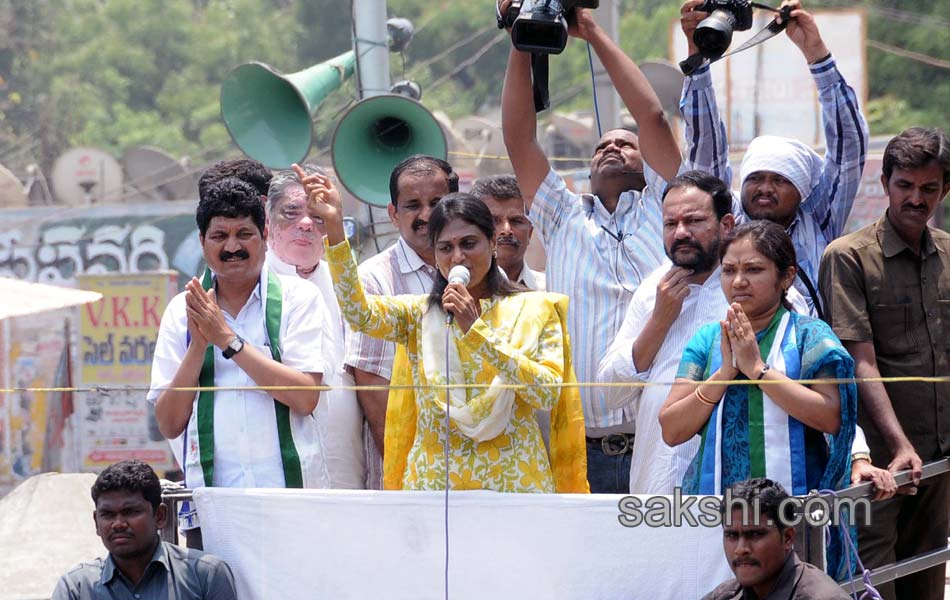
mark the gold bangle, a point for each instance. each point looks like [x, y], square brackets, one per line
[704, 399]
[861, 456]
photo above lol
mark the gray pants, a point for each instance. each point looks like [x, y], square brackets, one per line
[906, 526]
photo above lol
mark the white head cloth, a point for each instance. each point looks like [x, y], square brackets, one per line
[789, 158]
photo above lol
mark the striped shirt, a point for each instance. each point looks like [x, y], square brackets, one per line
[597, 259]
[823, 214]
[394, 271]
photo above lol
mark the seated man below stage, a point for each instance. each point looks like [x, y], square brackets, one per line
[129, 514]
[760, 550]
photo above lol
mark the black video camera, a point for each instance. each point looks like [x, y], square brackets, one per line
[714, 33]
[540, 26]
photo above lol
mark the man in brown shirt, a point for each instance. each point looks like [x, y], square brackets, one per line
[887, 291]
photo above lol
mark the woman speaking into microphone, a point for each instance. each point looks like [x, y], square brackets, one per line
[482, 332]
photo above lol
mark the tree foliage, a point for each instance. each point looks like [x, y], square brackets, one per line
[122, 73]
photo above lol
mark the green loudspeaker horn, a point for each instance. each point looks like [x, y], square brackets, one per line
[376, 135]
[268, 114]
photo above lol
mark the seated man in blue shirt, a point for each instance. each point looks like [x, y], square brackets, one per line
[129, 513]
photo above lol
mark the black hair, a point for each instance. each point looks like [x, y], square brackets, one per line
[499, 187]
[770, 240]
[245, 169]
[231, 198]
[472, 210]
[768, 495]
[916, 148]
[129, 476]
[420, 163]
[712, 185]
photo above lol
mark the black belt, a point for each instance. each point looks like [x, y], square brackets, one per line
[614, 444]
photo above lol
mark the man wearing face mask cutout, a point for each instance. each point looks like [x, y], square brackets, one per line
[407, 267]
[295, 249]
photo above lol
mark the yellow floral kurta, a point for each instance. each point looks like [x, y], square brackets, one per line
[516, 460]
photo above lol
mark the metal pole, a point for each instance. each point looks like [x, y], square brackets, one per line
[371, 43]
[7, 398]
[608, 100]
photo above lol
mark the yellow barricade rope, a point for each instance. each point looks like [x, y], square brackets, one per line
[468, 386]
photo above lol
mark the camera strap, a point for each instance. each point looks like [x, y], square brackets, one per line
[695, 61]
[539, 79]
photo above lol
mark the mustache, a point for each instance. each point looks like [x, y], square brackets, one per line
[685, 244]
[419, 224]
[508, 240]
[753, 563]
[241, 254]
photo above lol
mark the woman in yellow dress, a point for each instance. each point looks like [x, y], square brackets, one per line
[501, 336]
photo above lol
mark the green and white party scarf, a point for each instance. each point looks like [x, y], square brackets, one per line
[201, 455]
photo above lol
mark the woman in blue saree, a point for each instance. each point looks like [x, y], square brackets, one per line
[798, 435]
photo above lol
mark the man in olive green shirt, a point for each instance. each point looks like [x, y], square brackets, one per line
[887, 292]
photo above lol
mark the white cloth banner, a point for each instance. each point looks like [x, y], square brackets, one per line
[340, 544]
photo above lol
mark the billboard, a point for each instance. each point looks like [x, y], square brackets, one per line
[117, 341]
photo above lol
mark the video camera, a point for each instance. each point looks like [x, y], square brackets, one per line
[540, 26]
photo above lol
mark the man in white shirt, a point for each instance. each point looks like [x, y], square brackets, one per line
[512, 228]
[237, 326]
[407, 267]
[295, 249]
[670, 305]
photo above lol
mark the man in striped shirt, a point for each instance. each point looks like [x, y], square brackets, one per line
[782, 179]
[599, 246]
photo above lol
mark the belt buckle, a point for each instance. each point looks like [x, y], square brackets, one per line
[611, 449]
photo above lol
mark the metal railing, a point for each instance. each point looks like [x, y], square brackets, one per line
[810, 539]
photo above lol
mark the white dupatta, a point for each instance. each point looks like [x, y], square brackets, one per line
[484, 415]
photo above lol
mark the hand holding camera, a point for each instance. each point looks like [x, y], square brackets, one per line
[542, 26]
[803, 31]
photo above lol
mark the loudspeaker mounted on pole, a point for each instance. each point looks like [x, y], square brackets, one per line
[377, 134]
[268, 114]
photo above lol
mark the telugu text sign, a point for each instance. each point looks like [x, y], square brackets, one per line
[118, 336]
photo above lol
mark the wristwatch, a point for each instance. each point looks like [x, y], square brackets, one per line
[234, 346]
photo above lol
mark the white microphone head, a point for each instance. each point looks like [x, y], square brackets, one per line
[460, 274]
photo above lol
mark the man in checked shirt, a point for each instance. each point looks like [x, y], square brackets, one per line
[783, 180]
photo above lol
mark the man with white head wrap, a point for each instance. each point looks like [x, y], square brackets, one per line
[783, 180]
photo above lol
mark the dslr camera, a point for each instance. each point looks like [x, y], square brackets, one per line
[540, 26]
[714, 33]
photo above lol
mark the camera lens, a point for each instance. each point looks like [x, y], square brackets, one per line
[714, 34]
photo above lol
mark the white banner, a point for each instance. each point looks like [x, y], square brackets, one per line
[339, 544]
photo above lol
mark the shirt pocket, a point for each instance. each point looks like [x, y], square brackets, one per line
[945, 322]
[892, 329]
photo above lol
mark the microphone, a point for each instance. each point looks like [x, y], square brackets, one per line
[458, 274]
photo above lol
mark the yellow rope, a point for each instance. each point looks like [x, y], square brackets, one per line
[468, 386]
